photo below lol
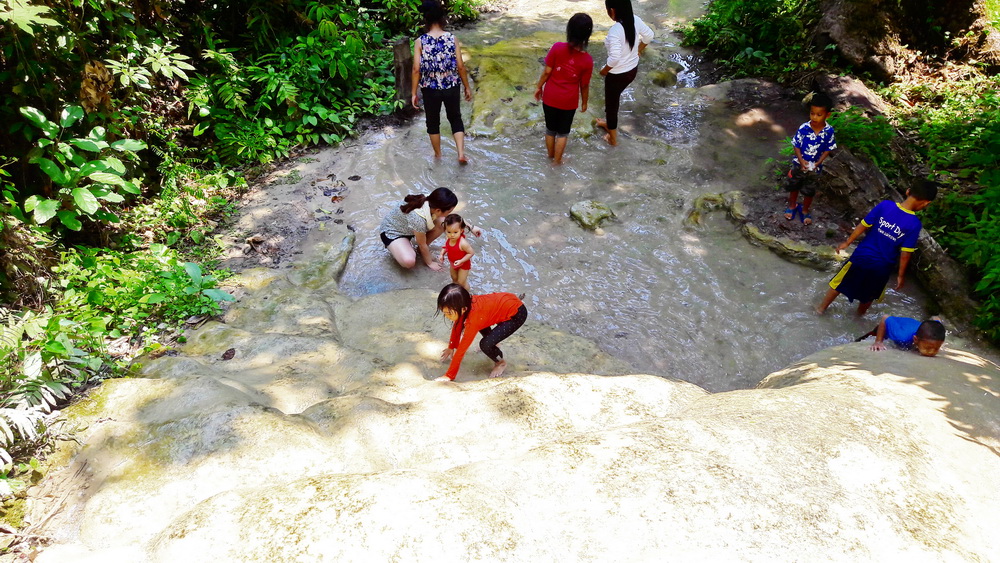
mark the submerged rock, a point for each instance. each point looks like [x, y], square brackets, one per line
[589, 214]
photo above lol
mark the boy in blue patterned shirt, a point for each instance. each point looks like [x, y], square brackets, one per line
[894, 238]
[812, 143]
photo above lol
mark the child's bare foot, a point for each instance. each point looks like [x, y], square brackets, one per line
[443, 378]
[499, 368]
[602, 123]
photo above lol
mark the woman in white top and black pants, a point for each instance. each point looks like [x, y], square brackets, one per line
[624, 49]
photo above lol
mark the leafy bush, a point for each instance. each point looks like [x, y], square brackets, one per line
[84, 186]
[756, 37]
[127, 293]
[869, 136]
[959, 126]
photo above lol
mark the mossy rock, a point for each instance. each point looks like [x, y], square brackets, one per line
[589, 214]
[505, 74]
[822, 257]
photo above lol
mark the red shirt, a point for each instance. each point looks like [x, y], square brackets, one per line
[487, 310]
[571, 71]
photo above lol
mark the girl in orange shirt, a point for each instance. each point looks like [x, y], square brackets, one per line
[479, 313]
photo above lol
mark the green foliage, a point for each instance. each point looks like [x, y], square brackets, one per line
[308, 89]
[869, 136]
[85, 184]
[757, 37]
[125, 293]
[959, 126]
[24, 15]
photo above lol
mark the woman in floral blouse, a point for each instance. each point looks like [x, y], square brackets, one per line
[437, 69]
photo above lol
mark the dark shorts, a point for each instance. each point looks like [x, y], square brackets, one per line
[387, 241]
[558, 122]
[798, 180]
[864, 283]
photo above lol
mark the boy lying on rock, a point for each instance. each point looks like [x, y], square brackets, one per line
[926, 337]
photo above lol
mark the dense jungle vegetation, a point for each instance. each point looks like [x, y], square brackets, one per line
[128, 128]
[941, 86]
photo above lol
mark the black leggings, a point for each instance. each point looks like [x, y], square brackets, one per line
[493, 335]
[614, 85]
[433, 99]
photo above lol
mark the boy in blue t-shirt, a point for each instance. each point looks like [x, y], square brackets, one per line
[812, 142]
[927, 337]
[894, 238]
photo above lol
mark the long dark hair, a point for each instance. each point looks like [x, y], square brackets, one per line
[624, 16]
[441, 198]
[434, 13]
[456, 298]
[578, 31]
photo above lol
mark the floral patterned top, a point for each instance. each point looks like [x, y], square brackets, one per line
[438, 63]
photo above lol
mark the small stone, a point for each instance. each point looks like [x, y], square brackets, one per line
[589, 214]
[354, 178]
[229, 354]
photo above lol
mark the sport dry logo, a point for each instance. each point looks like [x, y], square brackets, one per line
[888, 229]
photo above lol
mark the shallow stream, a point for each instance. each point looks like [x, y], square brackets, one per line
[700, 305]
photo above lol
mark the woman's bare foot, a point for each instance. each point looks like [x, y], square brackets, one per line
[612, 138]
[443, 378]
[498, 368]
[463, 160]
[602, 123]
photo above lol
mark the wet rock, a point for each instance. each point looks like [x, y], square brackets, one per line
[322, 273]
[590, 214]
[821, 257]
[845, 451]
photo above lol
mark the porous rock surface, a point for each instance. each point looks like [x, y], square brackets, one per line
[325, 439]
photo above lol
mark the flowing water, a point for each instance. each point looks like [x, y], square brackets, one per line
[701, 305]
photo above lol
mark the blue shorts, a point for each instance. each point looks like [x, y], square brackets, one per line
[863, 282]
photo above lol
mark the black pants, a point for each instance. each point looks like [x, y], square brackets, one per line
[614, 85]
[493, 335]
[432, 106]
[558, 122]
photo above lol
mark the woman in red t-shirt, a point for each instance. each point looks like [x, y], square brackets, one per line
[566, 79]
[478, 313]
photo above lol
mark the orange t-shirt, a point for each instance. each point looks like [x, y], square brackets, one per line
[487, 310]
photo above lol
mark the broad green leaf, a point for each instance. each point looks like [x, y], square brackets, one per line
[218, 295]
[56, 348]
[35, 116]
[45, 210]
[131, 188]
[97, 133]
[113, 197]
[51, 169]
[194, 271]
[89, 168]
[70, 115]
[85, 199]
[31, 203]
[128, 145]
[114, 164]
[107, 178]
[88, 144]
[23, 14]
[70, 219]
[152, 298]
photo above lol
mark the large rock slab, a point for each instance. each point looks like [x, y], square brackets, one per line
[848, 452]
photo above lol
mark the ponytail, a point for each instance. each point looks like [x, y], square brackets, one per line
[624, 16]
[412, 202]
[441, 198]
